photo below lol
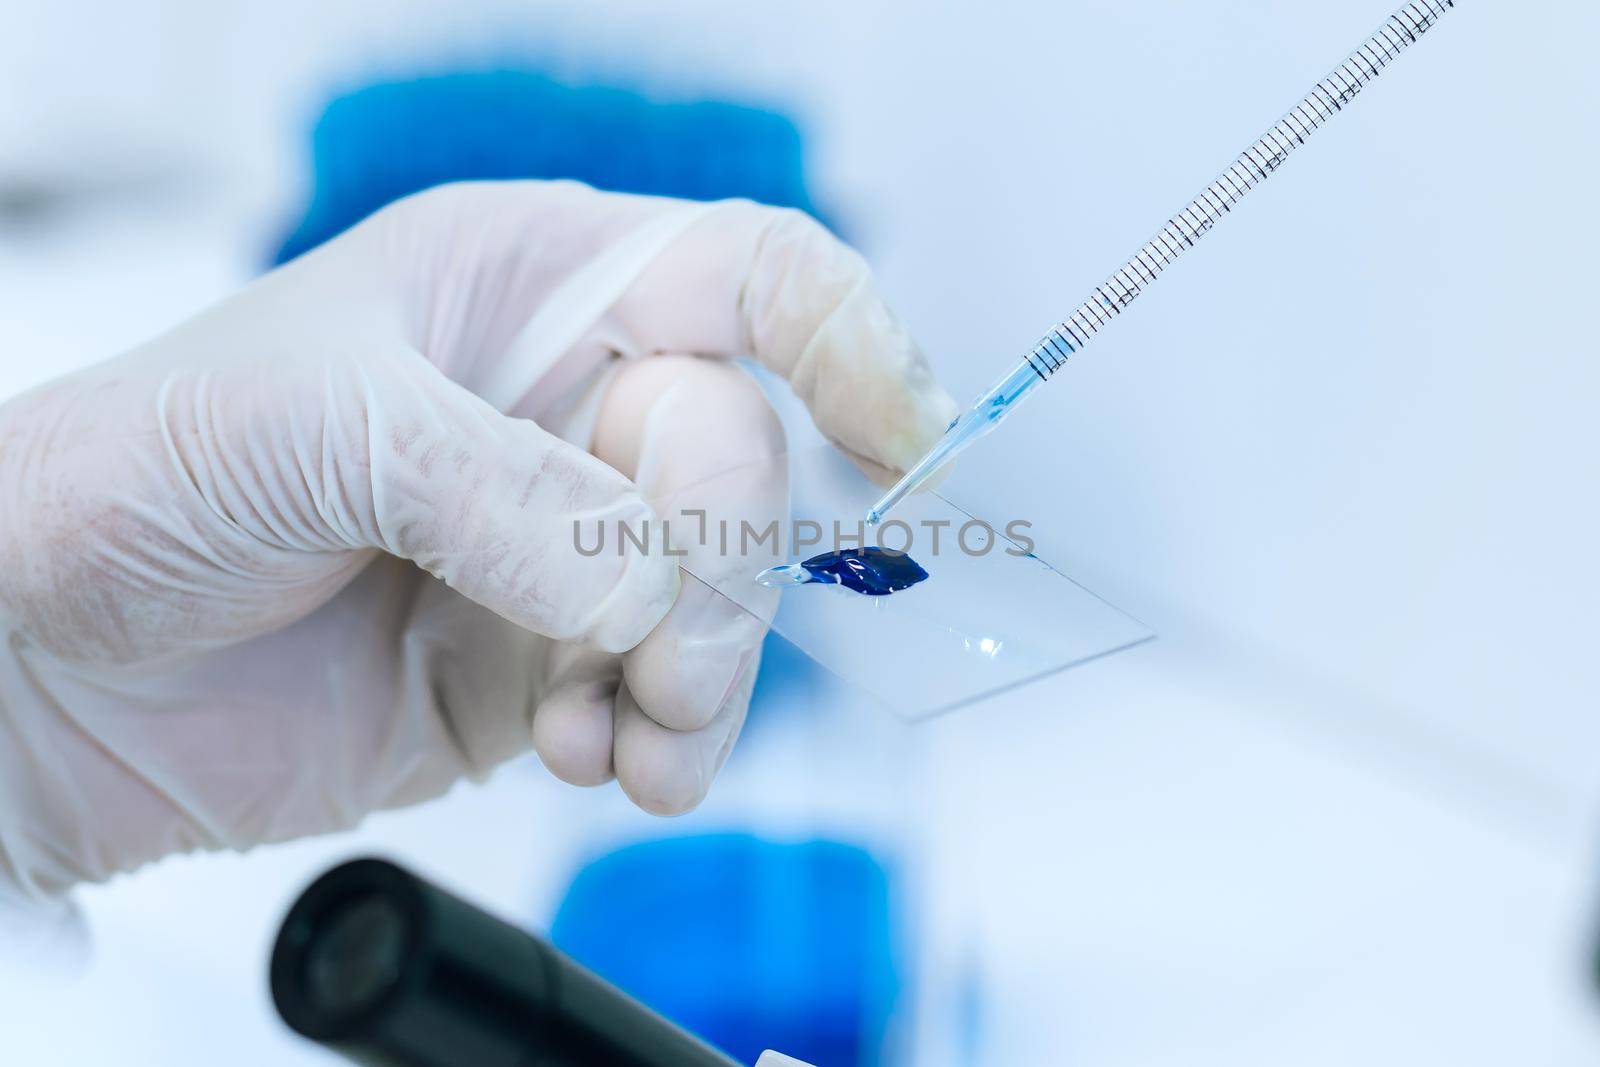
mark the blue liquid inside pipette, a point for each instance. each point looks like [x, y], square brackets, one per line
[987, 412]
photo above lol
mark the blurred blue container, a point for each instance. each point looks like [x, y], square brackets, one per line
[388, 140]
[749, 943]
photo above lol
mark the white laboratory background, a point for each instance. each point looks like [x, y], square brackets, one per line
[1343, 458]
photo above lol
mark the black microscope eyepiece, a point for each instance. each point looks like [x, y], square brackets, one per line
[391, 971]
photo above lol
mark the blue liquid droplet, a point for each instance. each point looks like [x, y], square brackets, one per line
[871, 571]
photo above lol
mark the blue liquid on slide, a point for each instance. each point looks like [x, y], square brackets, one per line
[871, 571]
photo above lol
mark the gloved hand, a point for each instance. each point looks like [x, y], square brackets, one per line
[311, 554]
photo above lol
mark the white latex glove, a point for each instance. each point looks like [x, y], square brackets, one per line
[291, 563]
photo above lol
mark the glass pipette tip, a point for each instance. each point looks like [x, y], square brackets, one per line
[984, 415]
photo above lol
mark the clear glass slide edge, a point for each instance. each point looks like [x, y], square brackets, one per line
[989, 618]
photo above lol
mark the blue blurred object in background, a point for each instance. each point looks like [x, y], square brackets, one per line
[749, 943]
[391, 139]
